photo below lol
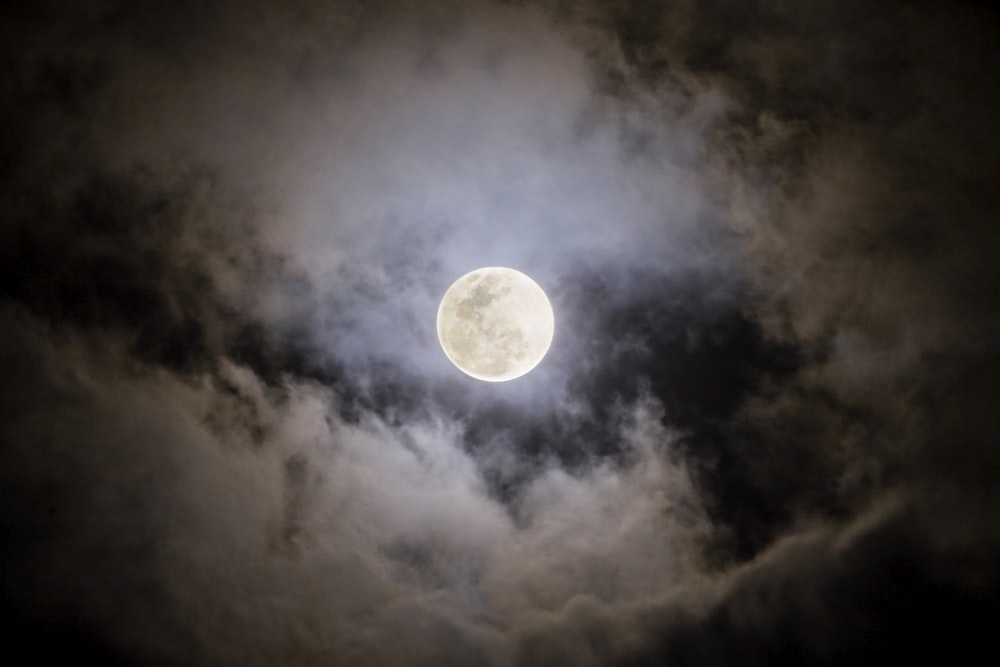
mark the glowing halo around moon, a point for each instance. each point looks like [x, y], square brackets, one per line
[495, 324]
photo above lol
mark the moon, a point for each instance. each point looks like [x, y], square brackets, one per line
[495, 324]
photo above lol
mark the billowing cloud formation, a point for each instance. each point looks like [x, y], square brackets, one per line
[764, 433]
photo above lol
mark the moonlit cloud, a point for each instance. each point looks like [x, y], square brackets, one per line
[763, 433]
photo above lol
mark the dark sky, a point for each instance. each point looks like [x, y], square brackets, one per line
[766, 433]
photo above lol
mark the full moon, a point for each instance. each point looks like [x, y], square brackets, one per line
[495, 324]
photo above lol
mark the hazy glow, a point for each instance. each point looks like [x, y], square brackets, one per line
[495, 324]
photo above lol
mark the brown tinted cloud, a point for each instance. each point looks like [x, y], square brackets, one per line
[764, 433]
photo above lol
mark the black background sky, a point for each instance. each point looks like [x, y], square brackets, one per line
[766, 432]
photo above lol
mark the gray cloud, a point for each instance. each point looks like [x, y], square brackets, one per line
[322, 533]
[763, 434]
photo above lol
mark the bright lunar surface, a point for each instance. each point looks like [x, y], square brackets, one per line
[495, 324]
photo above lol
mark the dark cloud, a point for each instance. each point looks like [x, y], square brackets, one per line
[764, 433]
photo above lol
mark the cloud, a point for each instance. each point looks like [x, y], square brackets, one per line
[764, 431]
[312, 533]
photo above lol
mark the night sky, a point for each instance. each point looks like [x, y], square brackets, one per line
[768, 428]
